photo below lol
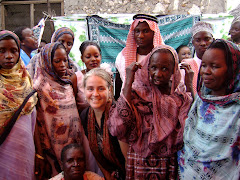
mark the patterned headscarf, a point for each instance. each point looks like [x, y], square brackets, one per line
[15, 85]
[47, 55]
[168, 110]
[61, 31]
[233, 75]
[130, 51]
[202, 26]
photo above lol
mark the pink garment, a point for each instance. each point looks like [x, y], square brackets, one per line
[80, 98]
[195, 67]
[153, 123]
[17, 153]
[129, 53]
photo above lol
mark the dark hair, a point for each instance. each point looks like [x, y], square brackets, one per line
[180, 47]
[71, 146]
[85, 44]
[18, 31]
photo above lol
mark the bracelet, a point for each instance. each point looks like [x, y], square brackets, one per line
[39, 156]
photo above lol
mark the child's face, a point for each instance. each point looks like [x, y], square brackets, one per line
[184, 53]
[235, 31]
[60, 62]
[9, 53]
[214, 71]
[161, 69]
[67, 41]
[91, 57]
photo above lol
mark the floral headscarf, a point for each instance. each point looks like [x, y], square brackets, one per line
[15, 85]
[130, 51]
[233, 76]
[47, 55]
[59, 32]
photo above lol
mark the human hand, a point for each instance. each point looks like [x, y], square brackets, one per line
[189, 73]
[130, 71]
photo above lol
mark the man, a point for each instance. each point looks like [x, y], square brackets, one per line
[28, 43]
[202, 33]
[143, 36]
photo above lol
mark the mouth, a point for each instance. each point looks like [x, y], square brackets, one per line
[94, 65]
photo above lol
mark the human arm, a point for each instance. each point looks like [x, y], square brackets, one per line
[130, 73]
[189, 73]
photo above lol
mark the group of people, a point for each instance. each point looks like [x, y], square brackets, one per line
[160, 119]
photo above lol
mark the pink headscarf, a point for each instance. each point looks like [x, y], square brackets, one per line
[130, 50]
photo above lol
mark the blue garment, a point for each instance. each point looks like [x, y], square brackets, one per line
[26, 59]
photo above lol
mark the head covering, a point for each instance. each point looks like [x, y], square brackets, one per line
[47, 55]
[130, 51]
[233, 80]
[145, 16]
[202, 26]
[61, 31]
[236, 19]
[177, 104]
[15, 85]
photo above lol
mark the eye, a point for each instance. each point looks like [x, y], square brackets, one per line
[102, 88]
[2, 51]
[146, 31]
[69, 44]
[14, 50]
[89, 88]
[70, 160]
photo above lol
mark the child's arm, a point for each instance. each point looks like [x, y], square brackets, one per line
[188, 77]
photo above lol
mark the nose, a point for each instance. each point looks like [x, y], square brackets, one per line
[95, 92]
[62, 64]
[141, 35]
[202, 42]
[76, 163]
[8, 55]
[206, 70]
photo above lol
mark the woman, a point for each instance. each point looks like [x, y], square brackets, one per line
[212, 130]
[17, 148]
[150, 113]
[98, 89]
[58, 119]
[63, 35]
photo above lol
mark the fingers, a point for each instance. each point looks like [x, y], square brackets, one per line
[185, 66]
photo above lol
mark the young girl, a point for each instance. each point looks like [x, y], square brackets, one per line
[90, 55]
[98, 90]
[17, 147]
[184, 52]
[212, 130]
[150, 114]
[58, 119]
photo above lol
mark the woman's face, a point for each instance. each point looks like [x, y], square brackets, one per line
[161, 68]
[74, 164]
[184, 53]
[91, 57]
[9, 53]
[97, 92]
[60, 62]
[235, 31]
[67, 41]
[214, 71]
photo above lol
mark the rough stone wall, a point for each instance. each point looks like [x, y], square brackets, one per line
[163, 7]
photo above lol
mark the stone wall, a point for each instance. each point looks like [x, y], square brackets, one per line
[163, 7]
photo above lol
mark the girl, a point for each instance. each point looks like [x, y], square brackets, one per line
[91, 55]
[58, 118]
[150, 113]
[212, 130]
[17, 148]
[98, 89]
